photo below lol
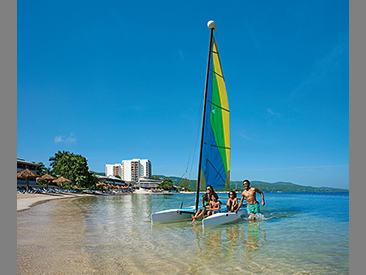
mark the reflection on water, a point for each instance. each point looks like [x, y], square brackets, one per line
[116, 237]
[255, 238]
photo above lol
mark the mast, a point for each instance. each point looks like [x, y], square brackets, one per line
[212, 26]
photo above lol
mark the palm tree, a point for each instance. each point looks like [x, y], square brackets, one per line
[41, 169]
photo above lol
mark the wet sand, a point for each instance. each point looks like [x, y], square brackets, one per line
[41, 237]
[26, 201]
[50, 236]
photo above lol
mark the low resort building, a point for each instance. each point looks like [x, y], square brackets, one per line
[111, 180]
[22, 165]
[147, 183]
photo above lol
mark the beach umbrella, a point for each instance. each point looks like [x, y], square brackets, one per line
[27, 174]
[46, 177]
[61, 180]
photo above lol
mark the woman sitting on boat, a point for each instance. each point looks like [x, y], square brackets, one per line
[206, 198]
[214, 206]
[232, 202]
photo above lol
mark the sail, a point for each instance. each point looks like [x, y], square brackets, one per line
[215, 161]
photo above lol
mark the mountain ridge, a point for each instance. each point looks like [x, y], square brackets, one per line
[279, 186]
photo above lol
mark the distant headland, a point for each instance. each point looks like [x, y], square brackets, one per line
[285, 187]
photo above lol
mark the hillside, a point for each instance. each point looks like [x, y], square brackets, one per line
[286, 187]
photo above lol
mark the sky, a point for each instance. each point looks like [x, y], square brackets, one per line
[117, 80]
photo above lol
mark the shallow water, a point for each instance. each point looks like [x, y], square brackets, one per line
[296, 234]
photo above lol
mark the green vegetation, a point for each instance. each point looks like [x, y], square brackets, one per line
[42, 170]
[185, 184]
[98, 173]
[287, 187]
[166, 184]
[73, 167]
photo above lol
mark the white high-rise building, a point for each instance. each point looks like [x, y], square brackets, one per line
[136, 168]
[114, 170]
[130, 170]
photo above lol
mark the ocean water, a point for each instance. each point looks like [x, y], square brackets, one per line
[295, 234]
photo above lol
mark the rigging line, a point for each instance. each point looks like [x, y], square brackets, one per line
[153, 209]
[193, 145]
[218, 106]
[222, 147]
[215, 169]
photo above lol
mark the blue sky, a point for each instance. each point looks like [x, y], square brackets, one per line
[115, 80]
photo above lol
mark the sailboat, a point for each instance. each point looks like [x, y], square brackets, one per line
[214, 159]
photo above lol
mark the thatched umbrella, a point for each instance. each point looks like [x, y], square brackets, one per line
[27, 174]
[46, 177]
[61, 180]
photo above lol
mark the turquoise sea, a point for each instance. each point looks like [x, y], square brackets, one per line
[296, 234]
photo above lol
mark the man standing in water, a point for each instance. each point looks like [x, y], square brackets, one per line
[249, 194]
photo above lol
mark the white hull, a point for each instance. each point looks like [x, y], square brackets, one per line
[171, 215]
[225, 217]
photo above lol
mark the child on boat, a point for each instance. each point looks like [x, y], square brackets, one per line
[232, 202]
[206, 198]
[214, 206]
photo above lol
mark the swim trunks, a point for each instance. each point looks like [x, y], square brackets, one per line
[217, 211]
[253, 208]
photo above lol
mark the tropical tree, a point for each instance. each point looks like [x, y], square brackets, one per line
[73, 167]
[49, 171]
[155, 177]
[185, 183]
[41, 169]
[166, 184]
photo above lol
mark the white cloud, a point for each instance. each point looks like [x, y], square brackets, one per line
[70, 139]
[58, 139]
[271, 114]
[244, 136]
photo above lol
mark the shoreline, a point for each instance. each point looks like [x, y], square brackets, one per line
[26, 201]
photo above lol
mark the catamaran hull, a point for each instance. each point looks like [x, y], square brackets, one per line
[225, 217]
[172, 215]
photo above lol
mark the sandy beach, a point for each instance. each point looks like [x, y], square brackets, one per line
[26, 201]
[41, 238]
[44, 244]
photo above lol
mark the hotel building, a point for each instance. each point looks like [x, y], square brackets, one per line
[130, 170]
